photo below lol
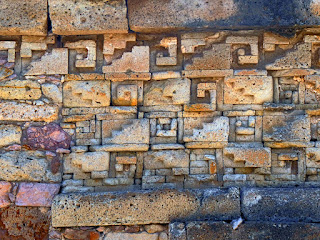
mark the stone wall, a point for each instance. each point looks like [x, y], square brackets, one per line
[155, 119]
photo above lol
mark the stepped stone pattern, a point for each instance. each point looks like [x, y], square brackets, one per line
[159, 120]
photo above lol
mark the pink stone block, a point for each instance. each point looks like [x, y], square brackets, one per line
[36, 194]
[5, 188]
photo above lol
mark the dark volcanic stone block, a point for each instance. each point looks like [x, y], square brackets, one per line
[281, 204]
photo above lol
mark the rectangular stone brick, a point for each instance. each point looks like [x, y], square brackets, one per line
[144, 207]
[5, 188]
[281, 204]
[72, 17]
[247, 230]
[23, 17]
[36, 194]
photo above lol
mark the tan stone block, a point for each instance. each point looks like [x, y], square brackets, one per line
[135, 61]
[52, 63]
[248, 90]
[206, 129]
[10, 134]
[12, 111]
[171, 44]
[247, 157]
[176, 14]
[20, 89]
[313, 158]
[26, 166]
[286, 128]
[9, 46]
[116, 41]
[299, 57]
[23, 17]
[131, 236]
[34, 43]
[52, 92]
[90, 161]
[90, 47]
[218, 57]
[127, 93]
[131, 131]
[166, 159]
[167, 92]
[83, 17]
[86, 93]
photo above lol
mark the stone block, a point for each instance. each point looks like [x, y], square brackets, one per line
[36, 194]
[281, 204]
[83, 17]
[131, 236]
[48, 137]
[88, 162]
[52, 63]
[52, 92]
[248, 90]
[5, 189]
[10, 134]
[29, 223]
[26, 166]
[166, 159]
[86, 94]
[167, 92]
[23, 18]
[250, 230]
[20, 90]
[143, 207]
[176, 14]
[284, 128]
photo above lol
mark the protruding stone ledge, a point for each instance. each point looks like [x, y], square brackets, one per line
[281, 204]
[144, 207]
[246, 230]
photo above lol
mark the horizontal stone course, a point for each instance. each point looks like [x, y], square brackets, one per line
[144, 207]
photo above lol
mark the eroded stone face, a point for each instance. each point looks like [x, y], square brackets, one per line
[10, 134]
[49, 137]
[97, 17]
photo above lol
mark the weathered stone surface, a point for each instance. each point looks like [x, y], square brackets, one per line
[88, 17]
[5, 188]
[143, 207]
[176, 14]
[286, 128]
[131, 236]
[87, 162]
[166, 159]
[25, 223]
[49, 137]
[23, 18]
[136, 61]
[55, 62]
[52, 92]
[281, 204]
[247, 157]
[36, 194]
[10, 134]
[171, 91]
[86, 94]
[25, 166]
[251, 230]
[12, 111]
[20, 89]
[248, 90]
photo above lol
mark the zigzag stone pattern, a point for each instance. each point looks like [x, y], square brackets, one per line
[133, 120]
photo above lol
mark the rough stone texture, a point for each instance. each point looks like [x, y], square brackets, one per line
[131, 236]
[23, 18]
[88, 17]
[10, 134]
[26, 166]
[166, 159]
[281, 205]
[25, 223]
[5, 188]
[250, 230]
[20, 89]
[143, 207]
[12, 111]
[36, 194]
[49, 137]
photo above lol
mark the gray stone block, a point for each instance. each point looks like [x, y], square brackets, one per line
[144, 207]
[281, 204]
